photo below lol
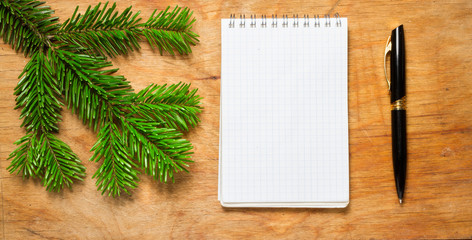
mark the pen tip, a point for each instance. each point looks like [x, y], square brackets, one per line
[401, 201]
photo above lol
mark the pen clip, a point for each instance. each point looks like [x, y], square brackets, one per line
[388, 48]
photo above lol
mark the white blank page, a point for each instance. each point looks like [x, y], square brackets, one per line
[284, 115]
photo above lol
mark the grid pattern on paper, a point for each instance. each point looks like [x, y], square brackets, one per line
[284, 125]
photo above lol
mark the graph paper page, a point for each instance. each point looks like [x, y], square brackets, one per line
[284, 114]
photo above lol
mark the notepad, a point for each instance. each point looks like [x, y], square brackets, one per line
[284, 113]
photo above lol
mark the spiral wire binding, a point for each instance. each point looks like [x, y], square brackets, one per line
[274, 20]
[327, 20]
[295, 20]
[253, 21]
[306, 20]
[264, 21]
[231, 20]
[317, 20]
[285, 20]
[338, 20]
[242, 20]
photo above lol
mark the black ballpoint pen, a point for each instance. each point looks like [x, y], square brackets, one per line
[396, 47]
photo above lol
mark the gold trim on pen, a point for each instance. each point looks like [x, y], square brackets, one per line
[400, 104]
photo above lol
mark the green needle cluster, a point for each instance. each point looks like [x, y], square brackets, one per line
[137, 131]
[107, 32]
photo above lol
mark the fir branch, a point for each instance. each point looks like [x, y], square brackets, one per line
[40, 153]
[89, 90]
[25, 159]
[38, 95]
[27, 25]
[117, 173]
[132, 127]
[60, 164]
[38, 98]
[160, 151]
[175, 106]
[85, 82]
[99, 99]
[105, 31]
[43, 155]
[171, 30]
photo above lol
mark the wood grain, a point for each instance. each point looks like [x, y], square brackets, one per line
[439, 185]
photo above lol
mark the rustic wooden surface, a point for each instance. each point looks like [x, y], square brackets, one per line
[439, 186]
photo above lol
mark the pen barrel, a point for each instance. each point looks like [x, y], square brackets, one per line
[399, 151]
[397, 65]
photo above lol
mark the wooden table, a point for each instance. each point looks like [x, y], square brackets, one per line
[439, 88]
